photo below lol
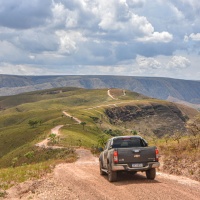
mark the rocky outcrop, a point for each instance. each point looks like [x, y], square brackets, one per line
[156, 118]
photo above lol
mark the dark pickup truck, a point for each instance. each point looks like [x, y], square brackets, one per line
[128, 153]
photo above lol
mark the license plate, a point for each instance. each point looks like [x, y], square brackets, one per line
[137, 165]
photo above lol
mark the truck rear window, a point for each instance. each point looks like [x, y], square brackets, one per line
[127, 142]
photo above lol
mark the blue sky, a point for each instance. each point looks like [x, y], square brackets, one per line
[108, 37]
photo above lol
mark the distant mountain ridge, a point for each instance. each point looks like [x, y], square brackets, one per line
[156, 87]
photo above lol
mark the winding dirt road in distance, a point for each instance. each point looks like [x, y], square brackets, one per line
[74, 118]
[81, 181]
[44, 143]
[55, 130]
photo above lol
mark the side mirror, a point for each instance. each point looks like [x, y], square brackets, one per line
[145, 143]
[110, 147]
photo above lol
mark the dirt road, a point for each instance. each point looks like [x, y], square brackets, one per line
[55, 130]
[108, 92]
[81, 180]
[74, 118]
[44, 143]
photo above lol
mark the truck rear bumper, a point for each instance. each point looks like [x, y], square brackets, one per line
[125, 167]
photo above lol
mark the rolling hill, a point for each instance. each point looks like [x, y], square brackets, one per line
[27, 119]
[124, 113]
[183, 91]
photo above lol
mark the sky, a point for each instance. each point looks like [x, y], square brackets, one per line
[159, 38]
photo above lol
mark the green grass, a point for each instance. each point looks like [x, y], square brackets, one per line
[18, 138]
[15, 130]
[12, 175]
[30, 97]
[75, 135]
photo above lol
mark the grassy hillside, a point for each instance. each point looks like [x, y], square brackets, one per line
[183, 91]
[45, 107]
[18, 136]
[11, 101]
[90, 106]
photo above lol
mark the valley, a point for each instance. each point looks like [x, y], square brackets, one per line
[175, 90]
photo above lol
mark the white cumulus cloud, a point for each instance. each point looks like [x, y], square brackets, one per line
[192, 36]
[195, 37]
[148, 63]
[178, 62]
[120, 36]
[6, 68]
[164, 37]
[119, 17]
[68, 41]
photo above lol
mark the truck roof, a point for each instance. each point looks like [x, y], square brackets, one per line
[127, 136]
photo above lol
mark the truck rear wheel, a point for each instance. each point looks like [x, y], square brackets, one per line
[151, 173]
[112, 175]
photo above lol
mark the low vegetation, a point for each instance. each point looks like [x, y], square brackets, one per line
[11, 175]
[181, 153]
[28, 118]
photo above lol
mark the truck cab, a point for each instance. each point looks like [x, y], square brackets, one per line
[128, 153]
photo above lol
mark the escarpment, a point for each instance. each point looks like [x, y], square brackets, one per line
[156, 118]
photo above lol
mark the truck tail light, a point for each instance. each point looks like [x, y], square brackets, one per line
[115, 157]
[157, 154]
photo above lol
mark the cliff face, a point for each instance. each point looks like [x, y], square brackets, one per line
[159, 119]
[161, 88]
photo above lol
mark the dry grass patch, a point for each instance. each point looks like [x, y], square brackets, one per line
[181, 158]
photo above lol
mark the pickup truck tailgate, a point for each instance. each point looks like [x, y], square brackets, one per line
[136, 155]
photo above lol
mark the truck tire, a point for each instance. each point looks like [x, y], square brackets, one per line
[112, 175]
[101, 166]
[151, 173]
